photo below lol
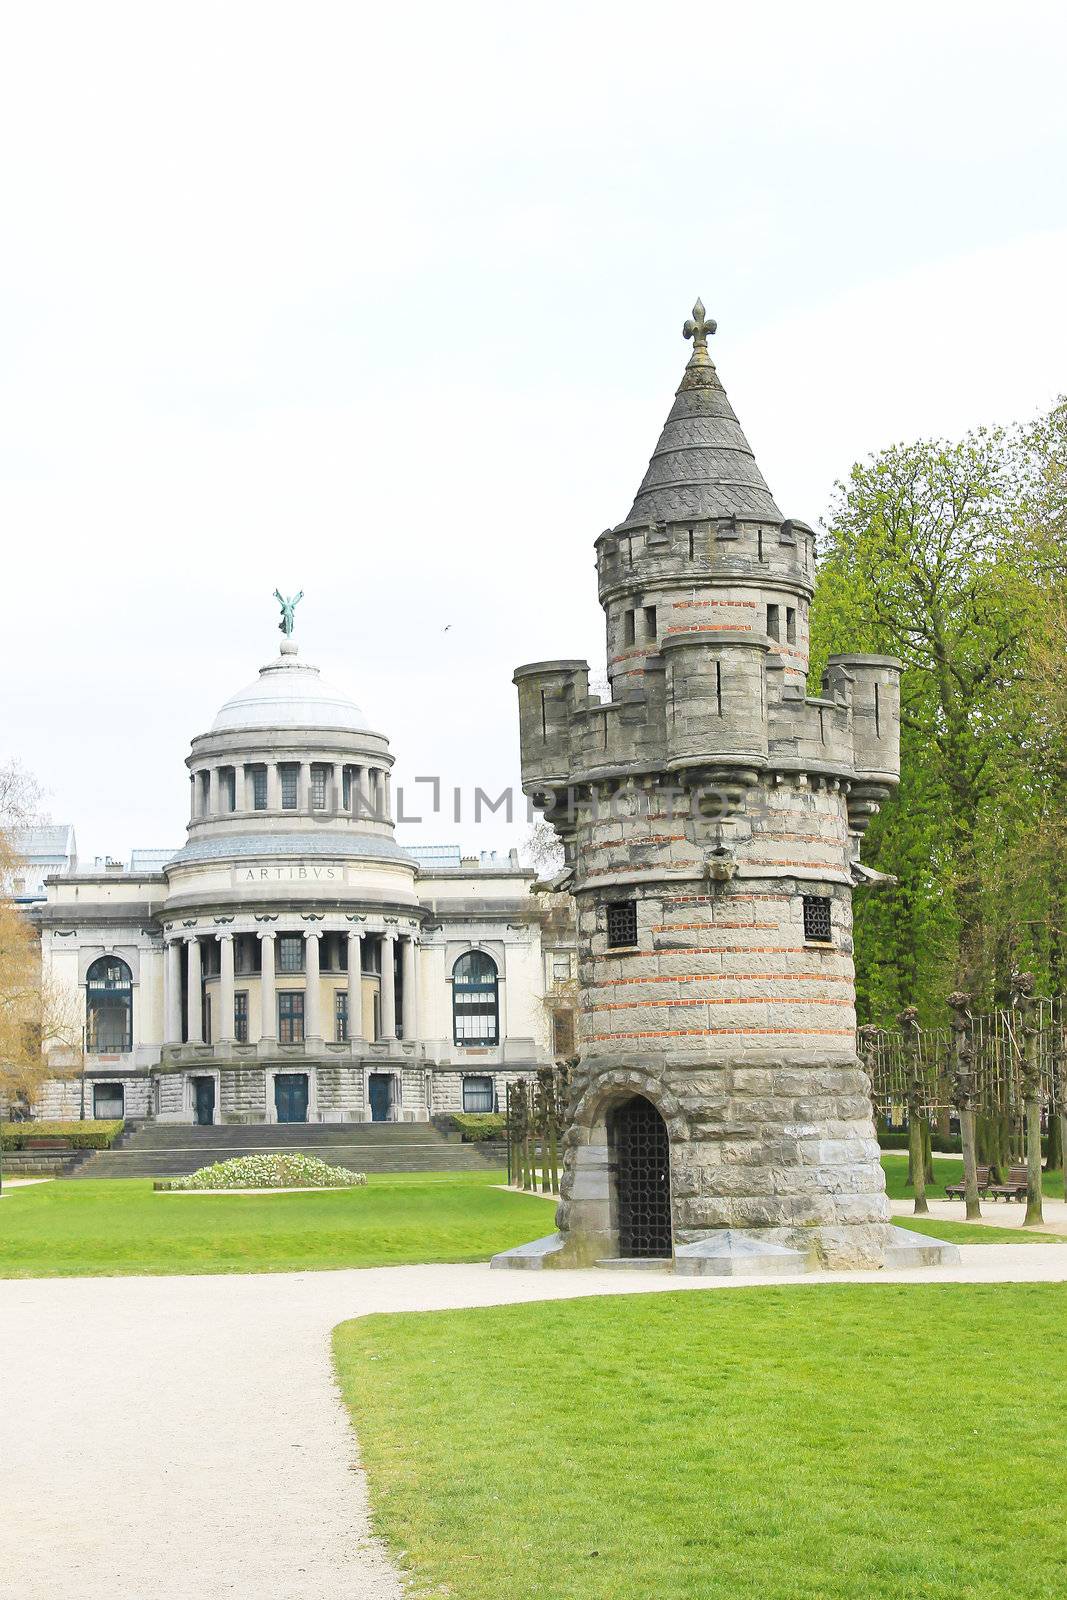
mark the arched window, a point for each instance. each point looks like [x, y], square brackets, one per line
[108, 1006]
[475, 1000]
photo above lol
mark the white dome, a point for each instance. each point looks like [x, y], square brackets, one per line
[290, 694]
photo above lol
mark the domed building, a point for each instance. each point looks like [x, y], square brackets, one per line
[292, 962]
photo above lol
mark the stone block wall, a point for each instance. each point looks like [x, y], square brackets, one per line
[762, 1141]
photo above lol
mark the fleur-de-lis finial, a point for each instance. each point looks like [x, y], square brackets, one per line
[697, 327]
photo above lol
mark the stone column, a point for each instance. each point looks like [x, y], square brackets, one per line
[303, 789]
[355, 986]
[224, 1028]
[388, 1007]
[387, 795]
[312, 986]
[268, 1009]
[338, 789]
[213, 803]
[172, 992]
[242, 787]
[274, 787]
[192, 797]
[410, 997]
[195, 991]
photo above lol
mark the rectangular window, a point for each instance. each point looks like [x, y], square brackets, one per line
[759, 545]
[340, 1016]
[773, 624]
[290, 776]
[692, 545]
[290, 952]
[629, 633]
[561, 968]
[622, 924]
[790, 625]
[346, 788]
[318, 788]
[477, 1094]
[650, 622]
[246, 953]
[207, 1019]
[240, 1016]
[259, 788]
[290, 1017]
[817, 917]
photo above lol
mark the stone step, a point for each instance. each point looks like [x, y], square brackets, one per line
[165, 1150]
[275, 1135]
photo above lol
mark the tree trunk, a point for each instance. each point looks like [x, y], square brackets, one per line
[1063, 1148]
[1033, 1162]
[970, 1167]
[916, 1128]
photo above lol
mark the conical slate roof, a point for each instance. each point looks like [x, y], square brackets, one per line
[703, 466]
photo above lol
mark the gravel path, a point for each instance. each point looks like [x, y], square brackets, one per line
[182, 1438]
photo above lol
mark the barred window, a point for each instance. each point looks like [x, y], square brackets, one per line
[240, 1016]
[290, 952]
[290, 775]
[340, 1004]
[475, 1000]
[318, 788]
[817, 917]
[259, 788]
[622, 923]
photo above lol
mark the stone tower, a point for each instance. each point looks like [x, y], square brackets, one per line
[711, 815]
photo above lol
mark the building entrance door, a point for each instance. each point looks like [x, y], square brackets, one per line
[642, 1179]
[291, 1096]
[381, 1096]
[204, 1101]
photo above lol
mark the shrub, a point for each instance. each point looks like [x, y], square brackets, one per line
[282, 1171]
[478, 1125]
[899, 1141]
[86, 1135]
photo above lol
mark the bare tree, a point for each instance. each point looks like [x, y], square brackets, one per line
[39, 1018]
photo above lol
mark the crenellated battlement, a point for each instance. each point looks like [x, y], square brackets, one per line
[724, 550]
[710, 701]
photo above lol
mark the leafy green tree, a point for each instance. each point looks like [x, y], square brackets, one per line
[953, 557]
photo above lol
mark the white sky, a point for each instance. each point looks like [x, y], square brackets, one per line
[385, 303]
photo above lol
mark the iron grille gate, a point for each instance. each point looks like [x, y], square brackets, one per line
[643, 1180]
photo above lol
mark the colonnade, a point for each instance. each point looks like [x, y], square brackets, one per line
[224, 1031]
[347, 789]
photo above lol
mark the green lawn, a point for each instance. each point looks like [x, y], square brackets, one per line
[976, 1232]
[84, 1228]
[821, 1443]
[946, 1170]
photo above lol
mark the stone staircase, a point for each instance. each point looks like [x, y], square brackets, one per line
[170, 1150]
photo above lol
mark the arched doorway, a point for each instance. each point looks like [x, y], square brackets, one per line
[642, 1163]
[108, 1007]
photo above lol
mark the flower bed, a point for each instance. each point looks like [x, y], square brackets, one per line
[269, 1172]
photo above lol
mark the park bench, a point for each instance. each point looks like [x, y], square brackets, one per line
[958, 1191]
[1014, 1189]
